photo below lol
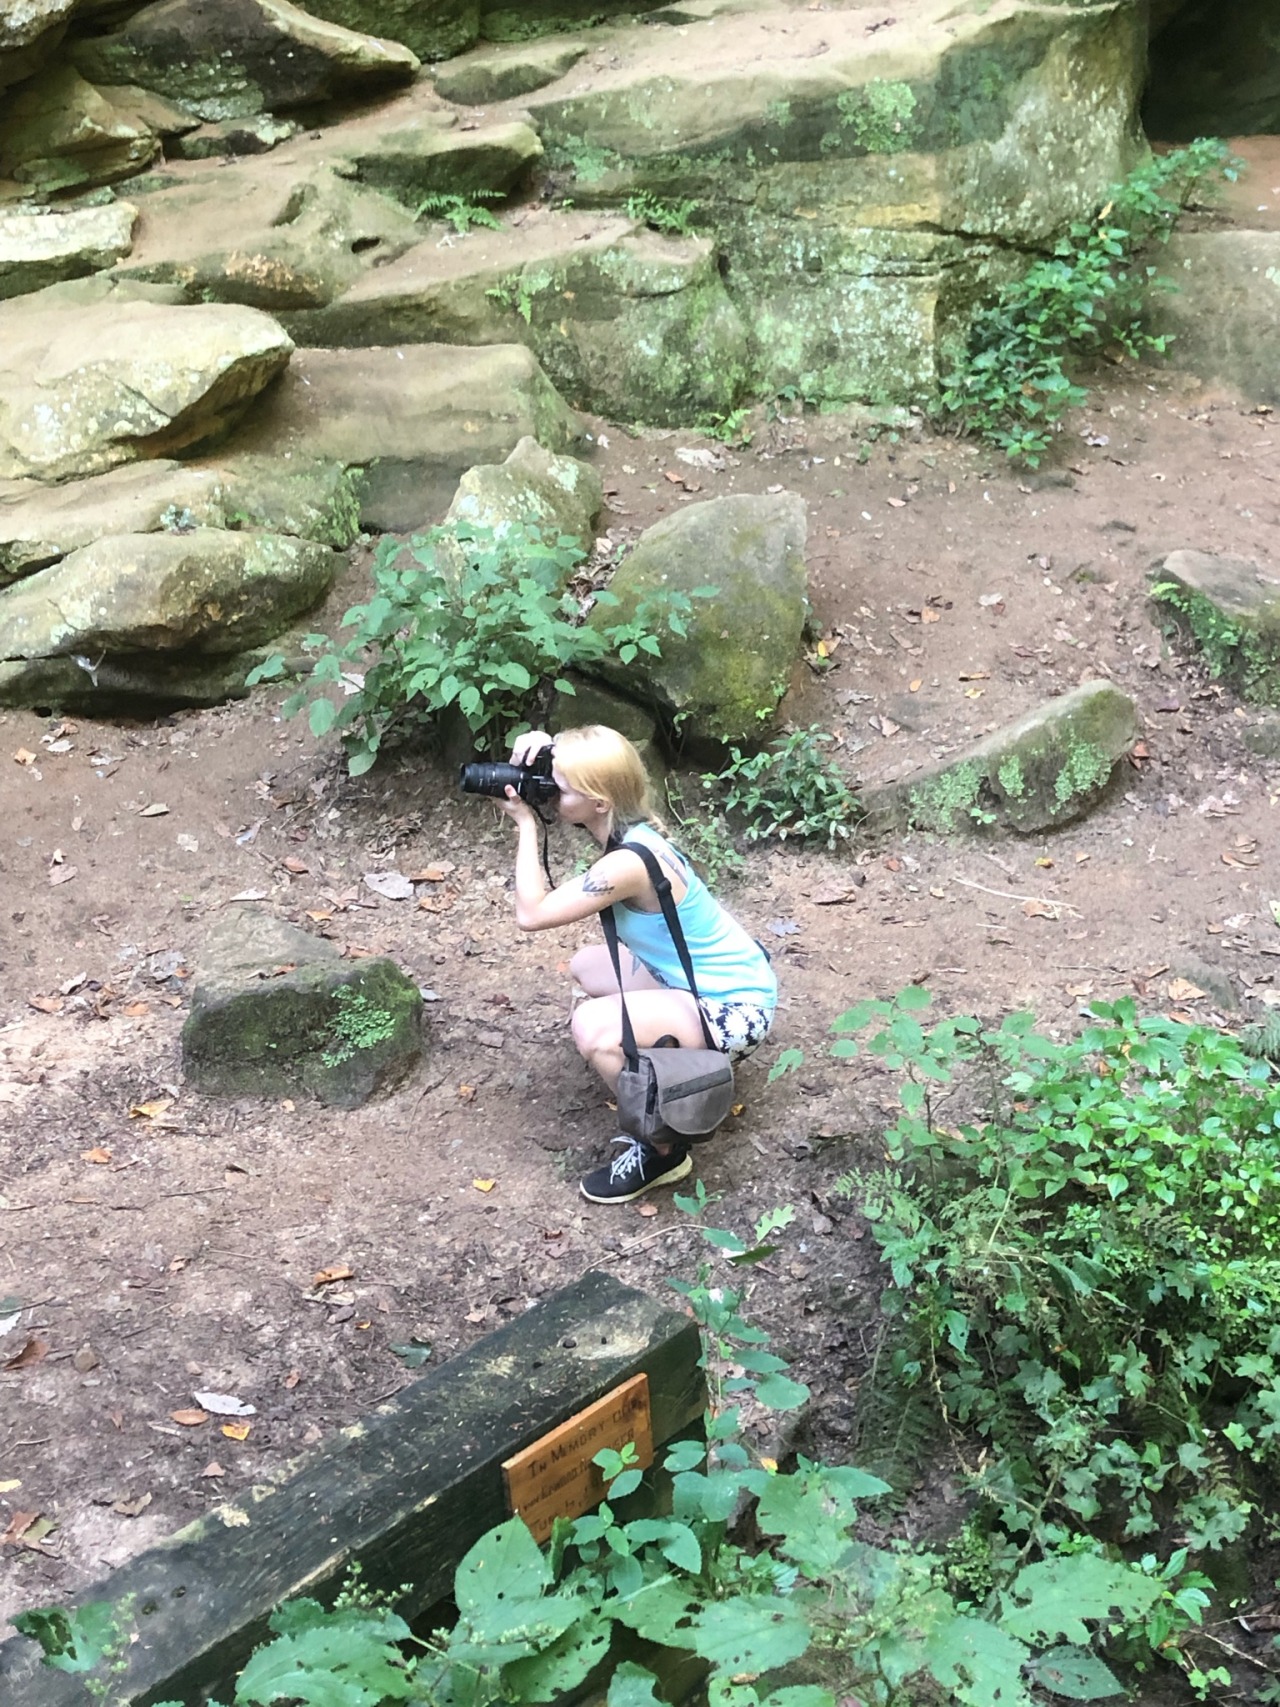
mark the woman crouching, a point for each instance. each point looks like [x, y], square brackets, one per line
[604, 789]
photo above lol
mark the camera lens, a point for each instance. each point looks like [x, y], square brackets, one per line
[492, 779]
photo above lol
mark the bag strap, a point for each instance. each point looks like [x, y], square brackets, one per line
[666, 900]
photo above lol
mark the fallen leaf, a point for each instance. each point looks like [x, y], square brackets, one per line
[10, 1486]
[1183, 990]
[771, 1464]
[466, 1093]
[213, 1468]
[237, 1431]
[132, 1508]
[292, 1379]
[897, 503]
[648, 1210]
[98, 1156]
[738, 1108]
[1040, 909]
[188, 844]
[784, 927]
[974, 676]
[928, 614]
[63, 873]
[24, 756]
[1240, 857]
[1045, 863]
[35, 1351]
[224, 1405]
[475, 1316]
[916, 685]
[484, 1184]
[150, 1110]
[321, 915]
[391, 885]
[413, 1355]
[45, 1004]
[337, 1271]
[157, 809]
[19, 1524]
[435, 873]
[189, 1418]
[298, 867]
[135, 1010]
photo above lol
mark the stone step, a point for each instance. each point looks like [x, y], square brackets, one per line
[413, 419]
[627, 322]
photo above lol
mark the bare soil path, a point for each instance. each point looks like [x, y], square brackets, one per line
[160, 1244]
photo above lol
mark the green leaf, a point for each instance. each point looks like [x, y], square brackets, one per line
[750, 1635]
[800, 1695]
[321, 716]
[413, 1355]
[564, 1664]
[788, 1062]
[1054, 1597]
[361, 759]
[979, 1663]
[632, 1686]
[780, 1393]
[74, 1639]
[812, 1516]
[1074, 1673]
[675, 1541]
[504, 1570]
[347, 1659]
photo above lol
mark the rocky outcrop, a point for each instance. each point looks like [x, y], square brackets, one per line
[240, 57]
[1046, 769]
[57, 132]
[499, 74]
[1222, 317]
[434, 29]
[413, 419]
[29, 30]
[500, 20]
[44, 248]
[627, 322]
[726, 675]
[557, 495]
[1230, 608]
[275, 1010]
[278, 234]
[91, 376]
[40, 525]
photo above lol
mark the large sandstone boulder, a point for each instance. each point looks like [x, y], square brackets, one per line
[209, 590]
[238, 57]
[276, 1010]
[557, 495]
[1223, 315]
[413, 150]
[57, 132]
[627, 322]
[44, 248]
[91, 377]
[498, 74]
[413, 419]
[434, 29]
[726, 676]
[279, 234]
[29, 30]
[41, 524]
[1230, 607]
[1039, 772]
[862, 187]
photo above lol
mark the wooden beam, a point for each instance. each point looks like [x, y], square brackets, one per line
[404, 1494]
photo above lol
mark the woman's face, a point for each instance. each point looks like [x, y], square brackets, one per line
[574, 808]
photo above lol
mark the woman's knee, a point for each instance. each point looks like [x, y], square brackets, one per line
[595, 1027]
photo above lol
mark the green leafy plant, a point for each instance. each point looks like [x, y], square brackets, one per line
[791, 788]
[463, 213]
[705, 836]
[1084, 1245]
[471, 618]
[359, 1023]
[675, 218]
[1014, 383]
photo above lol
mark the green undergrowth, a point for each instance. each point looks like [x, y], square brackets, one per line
[755, 1574]
[467, 620]
[1082, 1241]
[1017, 378]
[792, 788]
[1232, 650]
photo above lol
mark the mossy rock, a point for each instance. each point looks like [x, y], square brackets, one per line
[557, 495]
[275, 1010]
[502, 73]
[1230, 608]
[724, 679]
[1046, 769]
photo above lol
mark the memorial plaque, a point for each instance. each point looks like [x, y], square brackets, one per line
[555, 1476]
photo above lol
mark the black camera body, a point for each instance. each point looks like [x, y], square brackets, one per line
[532, 782]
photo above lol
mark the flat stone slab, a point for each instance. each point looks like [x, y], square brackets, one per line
[39, 249]
[1230, 608]
[91, 376]
[403, 1494]
[275, 1010]
[499, 73]
[1224, 315]
[1043, 770]
[413, 419]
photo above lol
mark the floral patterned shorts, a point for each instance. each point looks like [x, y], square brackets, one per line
[736, 1027]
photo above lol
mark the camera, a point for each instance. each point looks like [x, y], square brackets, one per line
[532, 782]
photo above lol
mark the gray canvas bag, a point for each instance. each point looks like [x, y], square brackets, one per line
[668, 1094]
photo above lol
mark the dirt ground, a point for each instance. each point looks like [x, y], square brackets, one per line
[153, 1244]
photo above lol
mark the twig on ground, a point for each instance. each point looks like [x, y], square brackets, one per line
[1008, 895]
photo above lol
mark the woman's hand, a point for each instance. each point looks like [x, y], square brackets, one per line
[518, 810]
[525, 748]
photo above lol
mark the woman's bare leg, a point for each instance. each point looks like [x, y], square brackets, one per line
[592, 969]
[597, 1028]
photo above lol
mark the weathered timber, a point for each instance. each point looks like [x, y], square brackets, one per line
[404, 1494]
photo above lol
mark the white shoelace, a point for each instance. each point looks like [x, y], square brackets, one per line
[631, 1161]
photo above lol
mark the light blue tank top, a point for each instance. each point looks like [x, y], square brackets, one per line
[728, 965]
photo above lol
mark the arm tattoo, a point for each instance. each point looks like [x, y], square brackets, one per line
[593, 885]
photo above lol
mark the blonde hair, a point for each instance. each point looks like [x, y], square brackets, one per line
[595, 760]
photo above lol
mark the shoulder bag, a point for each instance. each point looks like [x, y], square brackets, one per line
[666, 1094]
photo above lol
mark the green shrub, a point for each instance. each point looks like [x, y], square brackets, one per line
[465, 617]
[705, 837]
[788, 1609]
[461, 212]
[1013, 385]
[1086, 1269]
[790, 789]
[675, 218]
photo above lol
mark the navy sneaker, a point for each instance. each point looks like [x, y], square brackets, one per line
[637, 1170]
